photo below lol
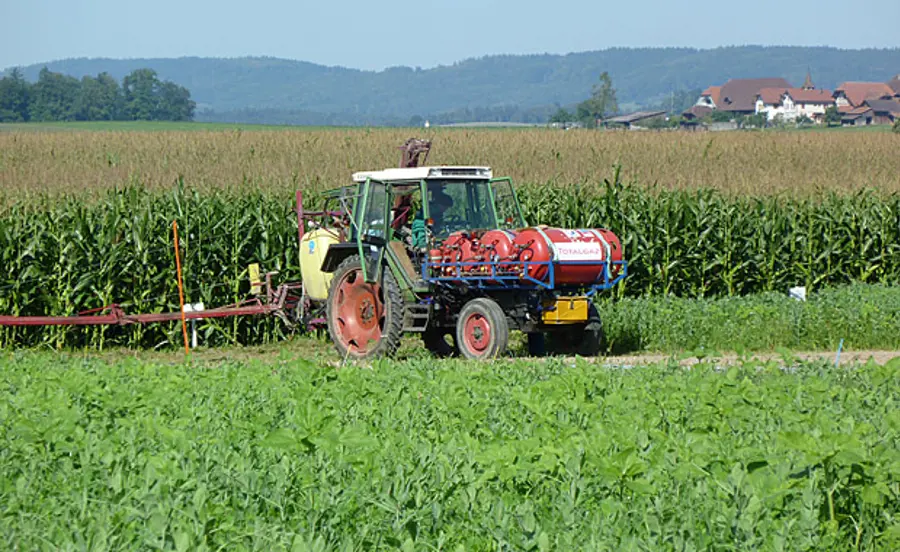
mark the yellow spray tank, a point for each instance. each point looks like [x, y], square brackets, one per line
[313, 248]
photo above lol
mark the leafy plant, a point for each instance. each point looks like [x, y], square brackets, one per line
[285, 453]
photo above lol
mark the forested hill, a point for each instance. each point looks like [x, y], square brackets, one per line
[504, 87]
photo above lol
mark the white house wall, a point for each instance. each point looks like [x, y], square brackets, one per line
[789, 110]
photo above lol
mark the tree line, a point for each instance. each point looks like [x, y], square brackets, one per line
[142, 96]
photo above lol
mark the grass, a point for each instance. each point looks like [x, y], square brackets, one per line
[863, 317]
[792, 163]
[284, 453]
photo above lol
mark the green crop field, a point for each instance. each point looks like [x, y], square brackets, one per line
[288, 453]
[264, 441]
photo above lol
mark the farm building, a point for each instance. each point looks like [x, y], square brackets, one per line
[631, 120]
[851, 95]
[857, 116]
[737, 96]
[884, 112]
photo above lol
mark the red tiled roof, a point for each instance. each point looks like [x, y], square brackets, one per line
[740, 94]
[799, 95]
[698, 111]
[858, 110]
[713, 92]
[858, 92]
[771, 96]
[884, 106]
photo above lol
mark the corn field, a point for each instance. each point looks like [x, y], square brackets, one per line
[64, 254]
[798, 163]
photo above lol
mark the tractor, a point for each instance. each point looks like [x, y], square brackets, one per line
[444, 251]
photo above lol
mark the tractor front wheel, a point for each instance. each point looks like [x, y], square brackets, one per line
[365, 319]
[482, 330]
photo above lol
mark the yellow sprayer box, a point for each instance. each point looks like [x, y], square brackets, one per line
[255, 282]
[566, 310]
[313, 248]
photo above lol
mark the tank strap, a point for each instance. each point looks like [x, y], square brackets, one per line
[606, 248]
[550, 243]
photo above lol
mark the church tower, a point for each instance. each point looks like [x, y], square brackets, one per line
[808, 83]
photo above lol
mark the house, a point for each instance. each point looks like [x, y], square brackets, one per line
[793, 103]
[737, 96]
[884, 112]
[705, 105]
[857, 116]
[710, 97]
[852, 95]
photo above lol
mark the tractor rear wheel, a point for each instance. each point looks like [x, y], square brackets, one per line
[365, 319]
[481, 329]
[440, 342]
[584, 340]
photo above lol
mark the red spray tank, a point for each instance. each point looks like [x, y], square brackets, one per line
[587, 247]
[458, 248]
[497, 246]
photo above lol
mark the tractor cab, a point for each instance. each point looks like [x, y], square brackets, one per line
[419, 207]
[445, 199]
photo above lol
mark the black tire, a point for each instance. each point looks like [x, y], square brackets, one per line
[482, 330]
[436, 341]
[585, 340]
[537, 344]
[390, 323]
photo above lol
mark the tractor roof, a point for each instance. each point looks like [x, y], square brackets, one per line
[422, 173]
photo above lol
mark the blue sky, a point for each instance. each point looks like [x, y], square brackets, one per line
[373, 35]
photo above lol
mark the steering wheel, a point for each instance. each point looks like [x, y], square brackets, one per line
[451, 223]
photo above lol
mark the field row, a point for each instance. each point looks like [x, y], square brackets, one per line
[754, 162]
[66, 257]
[426, 455]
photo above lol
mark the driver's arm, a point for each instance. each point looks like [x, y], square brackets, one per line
[419, 234]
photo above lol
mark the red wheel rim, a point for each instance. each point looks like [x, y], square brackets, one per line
[359, 313]
[477, 333]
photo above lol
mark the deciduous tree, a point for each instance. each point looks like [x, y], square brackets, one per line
[14, 91]
[100, 99]
[601, 104]
[53, 97]
[140, 93]
[832, 116]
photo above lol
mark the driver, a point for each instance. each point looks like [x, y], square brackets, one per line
[439, 204]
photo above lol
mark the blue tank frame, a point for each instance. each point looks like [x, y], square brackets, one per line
[496, 278]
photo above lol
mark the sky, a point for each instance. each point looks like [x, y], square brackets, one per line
[365, 34]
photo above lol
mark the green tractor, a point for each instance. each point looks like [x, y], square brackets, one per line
[444, 251]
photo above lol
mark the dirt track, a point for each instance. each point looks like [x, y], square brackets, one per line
[847, 357]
